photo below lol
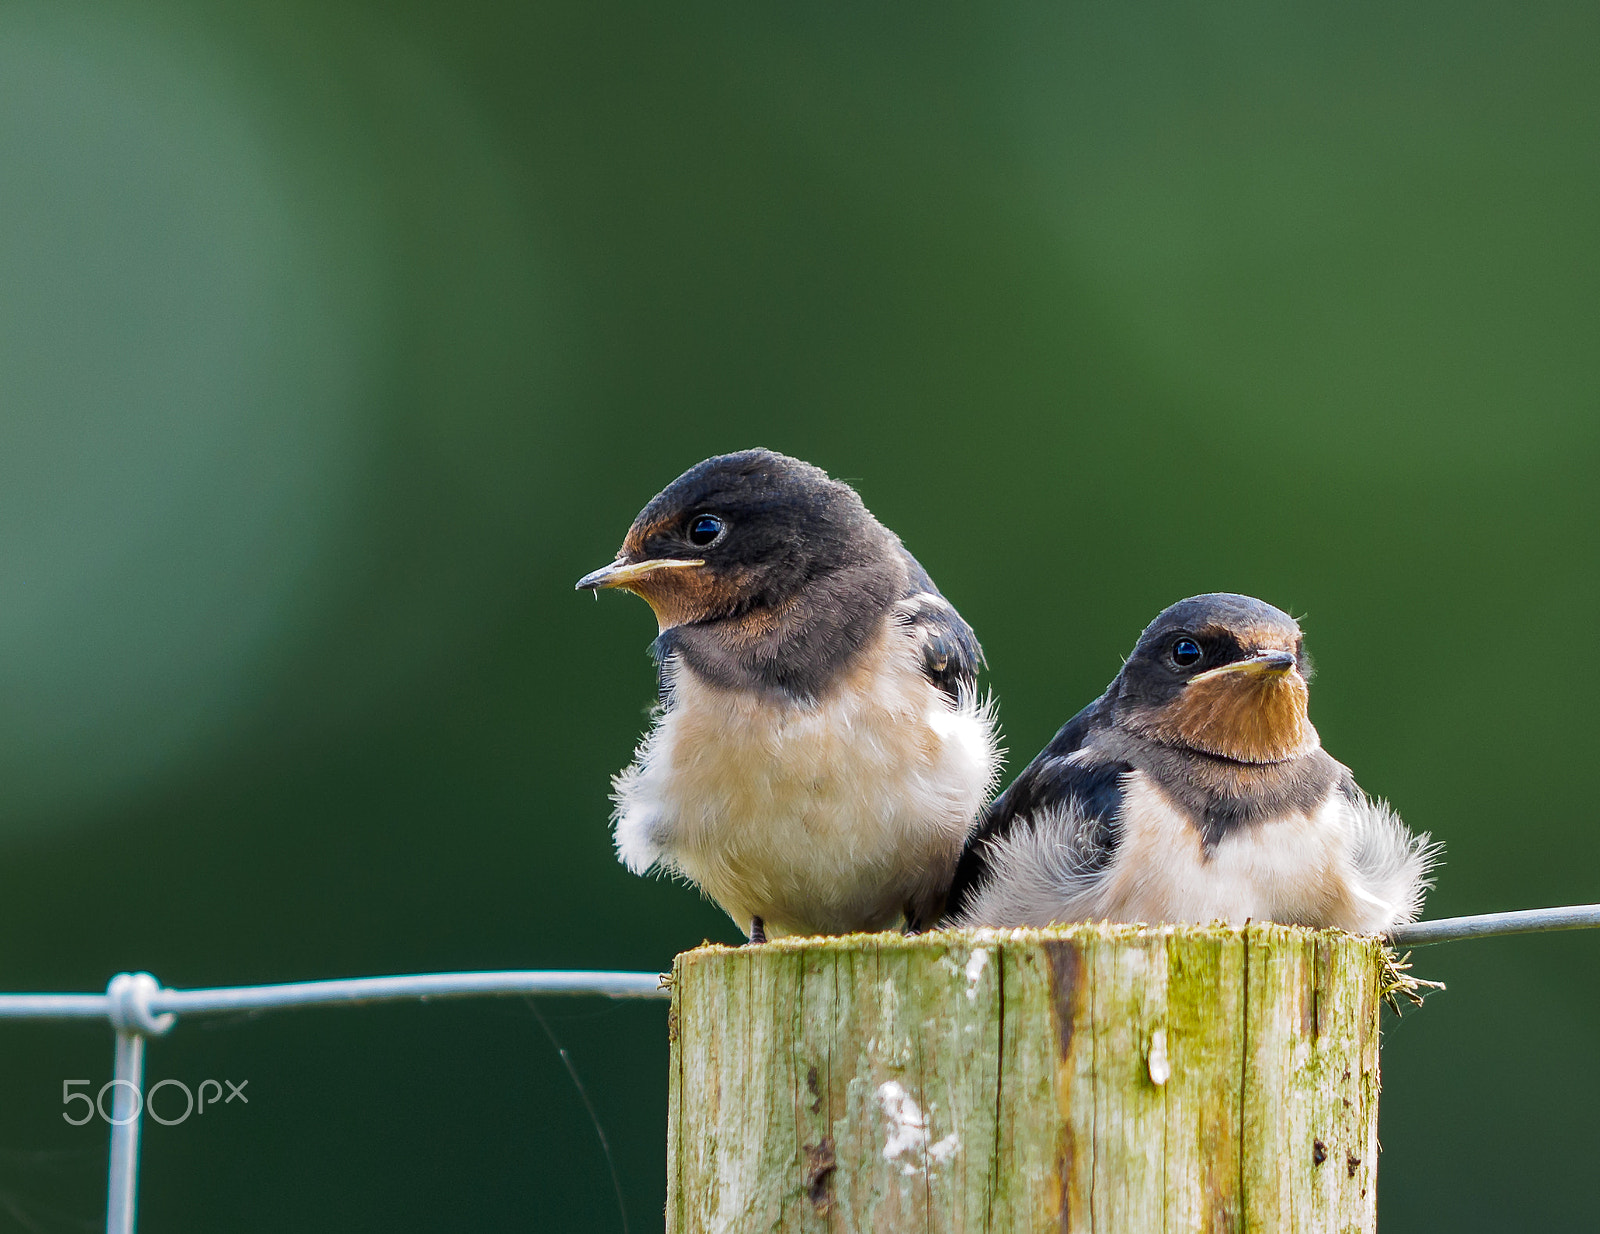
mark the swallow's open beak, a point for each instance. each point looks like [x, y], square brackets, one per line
[626, 574]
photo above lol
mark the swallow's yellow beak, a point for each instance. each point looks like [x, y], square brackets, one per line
[627, 574]
[1262, 664]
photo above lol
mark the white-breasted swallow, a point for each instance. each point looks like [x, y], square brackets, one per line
[820, 752]
[1195, 789]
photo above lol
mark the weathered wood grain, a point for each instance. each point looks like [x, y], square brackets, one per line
[1102, 1078]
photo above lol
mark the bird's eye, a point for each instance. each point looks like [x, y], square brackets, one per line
[703, 529]
[1186, 653]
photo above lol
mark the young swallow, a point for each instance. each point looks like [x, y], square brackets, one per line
[1195, 789]
[820, 752]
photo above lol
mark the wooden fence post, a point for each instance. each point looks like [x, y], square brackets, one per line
[1104, 1078]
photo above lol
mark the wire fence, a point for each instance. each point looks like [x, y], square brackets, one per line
[137, 1007]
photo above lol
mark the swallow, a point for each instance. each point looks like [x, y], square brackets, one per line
[1195, 789]
[820, 752]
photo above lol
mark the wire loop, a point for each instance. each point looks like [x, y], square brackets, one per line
[128, 1005]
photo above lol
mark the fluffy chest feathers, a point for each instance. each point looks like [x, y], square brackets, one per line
[1304, 866]
[1342, 860]
[817, 816]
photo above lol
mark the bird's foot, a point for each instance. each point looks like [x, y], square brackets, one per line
[758, 932]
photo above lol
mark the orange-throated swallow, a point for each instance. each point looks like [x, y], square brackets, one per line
[820, 751]
[1195, 789]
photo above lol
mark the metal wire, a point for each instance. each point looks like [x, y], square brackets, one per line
[127, 1105]
[425, 986]
[350, 992]
[1487, 925]
[54, 1007]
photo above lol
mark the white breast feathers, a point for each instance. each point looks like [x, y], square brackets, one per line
[1345, 864]
[818, 817]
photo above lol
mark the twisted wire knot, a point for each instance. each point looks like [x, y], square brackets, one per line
[130, 995]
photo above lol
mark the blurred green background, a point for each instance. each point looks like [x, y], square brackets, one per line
[337, 340]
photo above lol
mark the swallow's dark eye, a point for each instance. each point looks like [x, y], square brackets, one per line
[1186, 653]
[703, 529]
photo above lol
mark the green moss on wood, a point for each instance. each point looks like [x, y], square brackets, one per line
[1101, 1078]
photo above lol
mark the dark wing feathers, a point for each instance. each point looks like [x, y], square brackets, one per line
[1052, 781]
[951, 656]
[661, 651]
